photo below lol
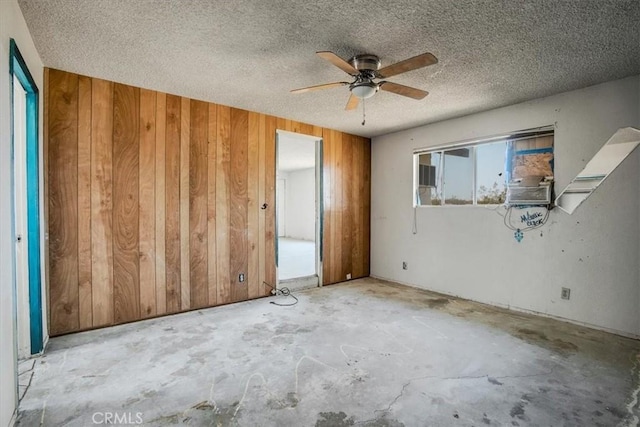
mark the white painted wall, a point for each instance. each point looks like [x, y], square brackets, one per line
[467, 251]
[12, 25]
[301, 203]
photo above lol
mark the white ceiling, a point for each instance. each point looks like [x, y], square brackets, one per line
[250, 54]
[295, 152]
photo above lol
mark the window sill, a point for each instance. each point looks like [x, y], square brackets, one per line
[460, 206]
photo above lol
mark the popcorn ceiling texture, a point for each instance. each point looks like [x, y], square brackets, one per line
[250, 54]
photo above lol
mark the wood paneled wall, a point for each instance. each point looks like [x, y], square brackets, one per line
[154, 202]
[347, 196]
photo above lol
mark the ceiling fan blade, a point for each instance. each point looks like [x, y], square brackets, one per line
[338, 62]
[318, 87]
[407, 65]
[403, 90]
[352, 103]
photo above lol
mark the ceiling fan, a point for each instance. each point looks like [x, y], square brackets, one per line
[365, 69]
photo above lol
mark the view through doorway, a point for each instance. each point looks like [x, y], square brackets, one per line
[298, 209]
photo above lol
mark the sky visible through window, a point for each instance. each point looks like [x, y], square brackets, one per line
[490, 171]
[491, 167]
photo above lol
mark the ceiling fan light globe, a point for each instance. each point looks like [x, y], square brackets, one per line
[364, 90]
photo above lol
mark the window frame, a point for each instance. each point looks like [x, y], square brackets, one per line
[472, 144]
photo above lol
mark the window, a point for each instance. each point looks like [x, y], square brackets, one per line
[481, 172]
[491, 188]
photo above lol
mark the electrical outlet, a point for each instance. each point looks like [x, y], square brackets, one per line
[241, 278]
[404, 265]
[348, 276]
[566, 293]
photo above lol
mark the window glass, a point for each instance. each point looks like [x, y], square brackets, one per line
[491, 188]
[458, 176]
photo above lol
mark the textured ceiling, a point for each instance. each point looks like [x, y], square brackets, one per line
[250, 54]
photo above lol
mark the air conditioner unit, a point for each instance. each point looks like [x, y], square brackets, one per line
[427, 176]
[522, 195]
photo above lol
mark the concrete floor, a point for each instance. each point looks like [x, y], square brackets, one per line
[366, 353]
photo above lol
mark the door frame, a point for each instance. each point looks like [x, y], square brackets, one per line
[281, 215]
[319, 211]
[19, 69]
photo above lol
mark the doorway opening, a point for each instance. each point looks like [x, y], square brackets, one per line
[298, 210]
[26, 207]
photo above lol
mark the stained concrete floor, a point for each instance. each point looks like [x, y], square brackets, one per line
[365, 353]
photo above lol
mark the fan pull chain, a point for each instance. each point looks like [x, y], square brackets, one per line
[363, 113]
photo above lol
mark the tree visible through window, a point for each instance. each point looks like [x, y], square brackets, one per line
[491, 184]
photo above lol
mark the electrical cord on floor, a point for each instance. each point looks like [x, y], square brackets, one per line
[286, 292]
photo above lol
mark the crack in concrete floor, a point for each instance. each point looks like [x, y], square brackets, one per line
[335, 358]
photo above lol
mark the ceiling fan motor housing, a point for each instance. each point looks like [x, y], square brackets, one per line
[365, 62]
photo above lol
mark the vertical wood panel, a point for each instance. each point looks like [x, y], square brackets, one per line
[366, 200]
[126, 266]
[238, 203]
[270, 199]
[102, 201]
[222, 204]
[304, 129]
[172, 198]
[63, 201]
[264, 290]
[212, 144]
[147, 203]
[356, 208]
[253, 171]
[154, 202]
[198, 177]
[84, 203]
[160, 204]
[185, 277]
[347, 193]
[286, 125]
